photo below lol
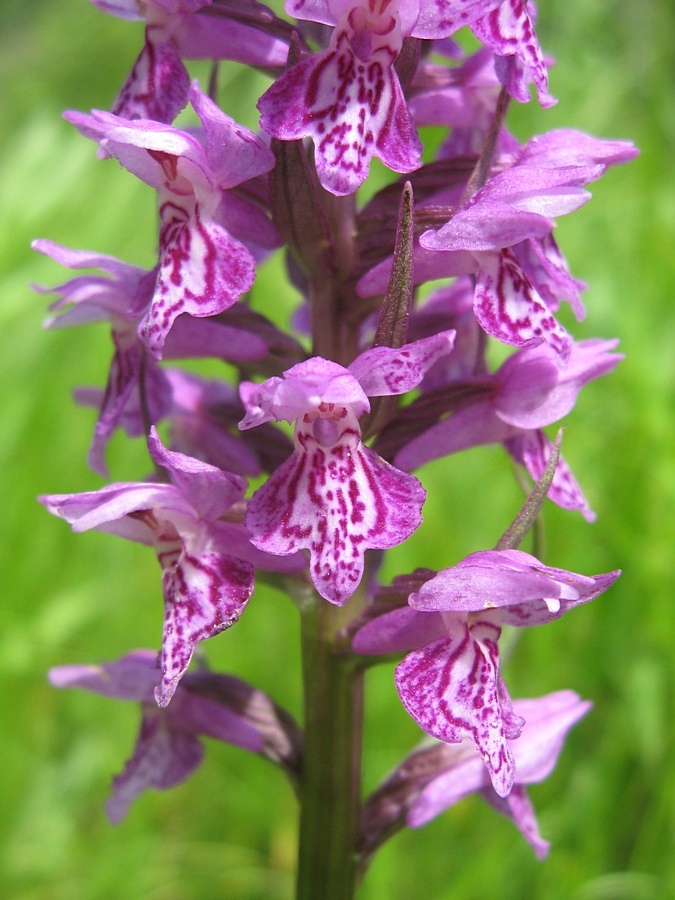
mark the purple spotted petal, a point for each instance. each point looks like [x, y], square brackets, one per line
[452, 689]
[352, 109]
[157, 86]
[532, 449]
[441, 18]
[203, 595]
[383, 371]
[336, 500]
[548, 271]
[312, 10]
[203, 271]
[509, 32]
[509, 308]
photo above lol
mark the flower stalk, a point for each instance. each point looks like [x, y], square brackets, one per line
[331, 777]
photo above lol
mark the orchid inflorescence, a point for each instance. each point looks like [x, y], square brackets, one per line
[377, 378]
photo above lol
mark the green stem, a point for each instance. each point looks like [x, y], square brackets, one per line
[331, 778]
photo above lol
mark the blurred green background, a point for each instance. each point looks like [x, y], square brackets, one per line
[609, 808]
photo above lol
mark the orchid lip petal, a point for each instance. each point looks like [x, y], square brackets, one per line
[348, 99]
[203, 271]
[336, 501]
[452, 689]
[510, 309]
[204, 595]
[157, 86]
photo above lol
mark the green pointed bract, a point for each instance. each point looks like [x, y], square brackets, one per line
[392, 327]
[516, 533]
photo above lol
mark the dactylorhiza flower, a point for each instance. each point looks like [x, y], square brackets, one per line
[204, 266]
[334, 496]
[122, 296]
[515, 205]
[348, 97]
[528, 392]
[450, 683]
[157, 86]
[207, 564]
[168, 748]
[438, 775]
[502, 234]
[521, 276]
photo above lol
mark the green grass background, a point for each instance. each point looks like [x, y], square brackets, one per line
[230, 830]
